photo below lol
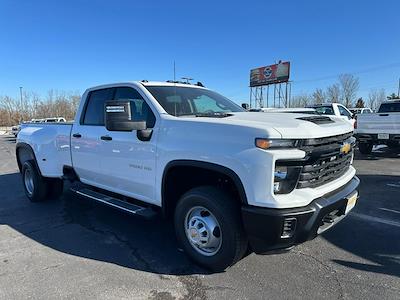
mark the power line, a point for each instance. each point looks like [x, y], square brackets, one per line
[382, 67]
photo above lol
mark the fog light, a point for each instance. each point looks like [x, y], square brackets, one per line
[285, 178]
[289, 228]
[280, 173]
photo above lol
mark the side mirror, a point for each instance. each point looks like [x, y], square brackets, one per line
[245, 106]
[118, 116]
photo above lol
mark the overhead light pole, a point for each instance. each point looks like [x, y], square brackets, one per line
[20, 92]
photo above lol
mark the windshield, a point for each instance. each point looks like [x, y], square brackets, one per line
[389, 107]
[182, 101]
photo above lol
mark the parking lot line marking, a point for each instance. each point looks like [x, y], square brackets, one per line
[393, 185]
[375, 219]
[391, 210]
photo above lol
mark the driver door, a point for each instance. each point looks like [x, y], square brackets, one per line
[128, 164]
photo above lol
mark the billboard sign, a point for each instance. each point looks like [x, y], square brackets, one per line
[270, 74]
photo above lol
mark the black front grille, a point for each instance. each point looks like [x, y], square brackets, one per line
[325, 162]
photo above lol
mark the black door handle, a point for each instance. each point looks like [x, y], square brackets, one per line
[106, 138]
[77, 135]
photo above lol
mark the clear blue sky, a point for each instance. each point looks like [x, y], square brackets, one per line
[71, 45]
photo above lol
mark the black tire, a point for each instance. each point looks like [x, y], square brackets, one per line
[393, 144]
[55, 187]
[36, 191]
[226, 211]
[365, 148]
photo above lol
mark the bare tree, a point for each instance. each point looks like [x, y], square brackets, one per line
[333, 93]
[375, 98]
[349, 85]
[301, 100]
[318, 96]
[55, 104]
[10, 110]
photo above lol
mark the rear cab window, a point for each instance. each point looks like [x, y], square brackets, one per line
[324, 110]
[389, 107]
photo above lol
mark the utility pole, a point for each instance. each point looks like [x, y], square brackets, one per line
[398, 91]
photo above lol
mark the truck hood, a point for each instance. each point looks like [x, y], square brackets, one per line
[289, 125]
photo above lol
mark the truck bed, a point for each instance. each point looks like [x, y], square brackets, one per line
[48, 140]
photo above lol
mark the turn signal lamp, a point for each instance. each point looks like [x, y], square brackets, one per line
[275, 143]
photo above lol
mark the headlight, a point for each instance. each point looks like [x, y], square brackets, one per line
[285, 178]
[275, 143]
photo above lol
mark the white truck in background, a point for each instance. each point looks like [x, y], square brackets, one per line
[334, 109]
[360, 110]
[382, 127]
[231, 180]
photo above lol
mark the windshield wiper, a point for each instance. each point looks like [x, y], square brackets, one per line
[207, 115]
[213, 115]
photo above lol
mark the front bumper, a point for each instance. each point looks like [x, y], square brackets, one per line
[270, 229]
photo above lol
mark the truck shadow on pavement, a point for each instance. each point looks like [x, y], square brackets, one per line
[10, 139]
[372, 230]
[379, 153]
[79, 227]
[86, 229]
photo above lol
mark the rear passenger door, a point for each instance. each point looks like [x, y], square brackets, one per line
[86, 137]
[128, 164]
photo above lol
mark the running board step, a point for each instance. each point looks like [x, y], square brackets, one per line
[134, 209]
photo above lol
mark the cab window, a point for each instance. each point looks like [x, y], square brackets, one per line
[94, 113]
[140, 110]
[344, 112]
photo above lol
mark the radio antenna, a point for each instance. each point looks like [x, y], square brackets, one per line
[174, 71]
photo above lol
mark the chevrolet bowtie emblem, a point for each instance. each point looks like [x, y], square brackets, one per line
[346, 147]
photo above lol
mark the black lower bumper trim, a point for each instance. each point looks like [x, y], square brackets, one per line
[264, 226]
[373, 138]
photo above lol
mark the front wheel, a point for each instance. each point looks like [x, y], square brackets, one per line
[209, 228]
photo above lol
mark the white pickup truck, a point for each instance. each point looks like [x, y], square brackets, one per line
[334, 109]
[232, 181]
[382, 127]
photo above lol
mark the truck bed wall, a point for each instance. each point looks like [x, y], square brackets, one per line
[379, 123]
[51, 144]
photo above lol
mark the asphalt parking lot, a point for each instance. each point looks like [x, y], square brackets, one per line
[73, 248]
